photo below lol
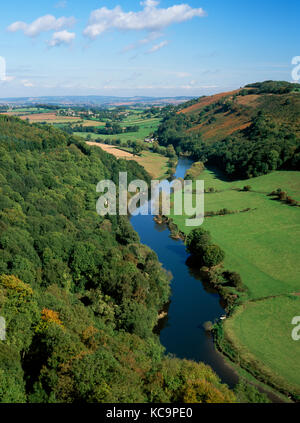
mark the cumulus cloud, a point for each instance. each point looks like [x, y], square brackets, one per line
[62, 37]
[150, 18]
[42, 24]
[157, 47]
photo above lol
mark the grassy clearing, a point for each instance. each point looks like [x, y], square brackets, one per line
[261, 334]
[155, 164]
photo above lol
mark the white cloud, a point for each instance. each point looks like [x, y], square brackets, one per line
[42, 24]
[151, 37]
[27, 83]
[157, 47]
[150, 18]
[62, 37]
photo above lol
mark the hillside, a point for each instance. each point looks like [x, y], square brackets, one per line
[252, 190]
[246, 132]
[79, 293]
[223, 114]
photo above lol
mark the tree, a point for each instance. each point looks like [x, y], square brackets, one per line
[213, 255]
[137, 148]
[170, 152]
[197, 240]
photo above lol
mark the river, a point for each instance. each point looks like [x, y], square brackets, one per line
[191, 304]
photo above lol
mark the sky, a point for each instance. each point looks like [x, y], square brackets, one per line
[144, 48]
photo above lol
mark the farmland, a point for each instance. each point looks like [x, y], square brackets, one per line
[146, 127]
[155, 164]
[253, 240]
[261, 334]
[141, 123]
[262, 245]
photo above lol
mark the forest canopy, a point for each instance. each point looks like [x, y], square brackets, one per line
[80, 294]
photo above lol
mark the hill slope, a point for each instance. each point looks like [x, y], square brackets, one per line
[247, 132]
[80, 295]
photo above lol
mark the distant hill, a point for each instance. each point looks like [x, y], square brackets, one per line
[94, 100]
[223, 114]
[240, 130]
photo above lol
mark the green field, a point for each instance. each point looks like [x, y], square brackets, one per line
[146, 127]
[155, 164]
[262, 330]
[263, 246]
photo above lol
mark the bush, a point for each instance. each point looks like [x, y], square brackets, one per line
[213, 255]
[197, 240]
[234, 279]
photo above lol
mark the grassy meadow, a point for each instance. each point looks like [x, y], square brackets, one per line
[262, 245]
[261, 334]
[146, 127]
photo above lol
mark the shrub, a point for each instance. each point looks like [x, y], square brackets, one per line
[197, 240]
[213, 255]
[234, 279]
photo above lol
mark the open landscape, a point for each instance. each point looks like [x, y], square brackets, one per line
[115, 289]
[253, 242]
[259, 232]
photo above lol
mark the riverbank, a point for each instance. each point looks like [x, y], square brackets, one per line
[191, 304]
[253, 245]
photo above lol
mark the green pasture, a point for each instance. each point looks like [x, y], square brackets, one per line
[261, 332]
[261, 244]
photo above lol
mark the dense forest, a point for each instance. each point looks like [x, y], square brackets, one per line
[246, 133]
[80, 294]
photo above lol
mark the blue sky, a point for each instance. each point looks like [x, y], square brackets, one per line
[127, 48]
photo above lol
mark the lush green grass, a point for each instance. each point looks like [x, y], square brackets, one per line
[286, 180]
[262, 330]
[155, 164]
[146, 127]
[262, 244]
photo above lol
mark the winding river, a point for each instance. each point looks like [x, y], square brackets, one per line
[192, 303]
